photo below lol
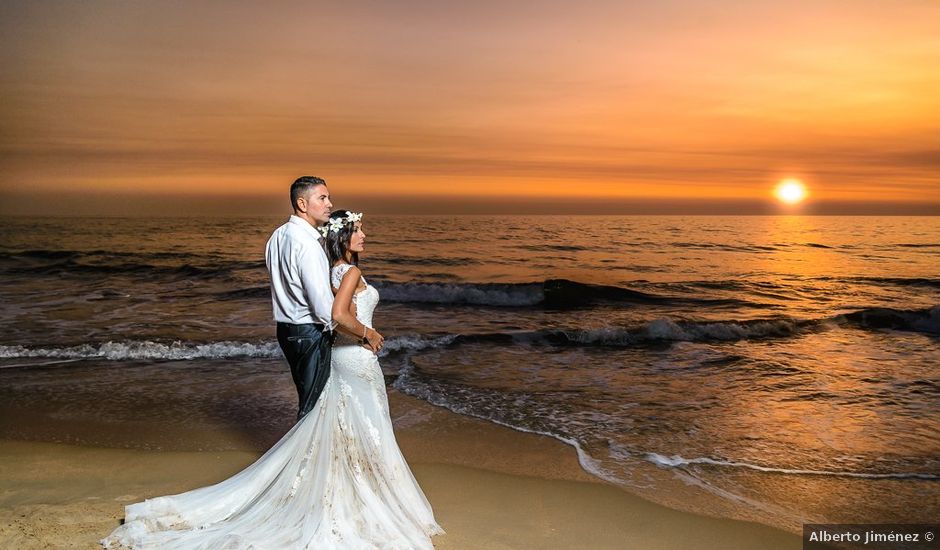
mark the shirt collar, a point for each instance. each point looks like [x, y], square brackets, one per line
[306, 225]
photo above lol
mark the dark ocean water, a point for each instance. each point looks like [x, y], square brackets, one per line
[785, 369]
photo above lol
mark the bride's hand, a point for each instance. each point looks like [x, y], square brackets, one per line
[375, 340]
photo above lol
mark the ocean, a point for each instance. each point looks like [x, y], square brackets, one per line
[782, 369]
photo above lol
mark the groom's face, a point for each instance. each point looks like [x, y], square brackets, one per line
[318, 202]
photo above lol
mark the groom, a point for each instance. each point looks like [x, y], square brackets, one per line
[300, 289]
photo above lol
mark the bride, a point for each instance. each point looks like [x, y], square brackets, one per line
[336, 480]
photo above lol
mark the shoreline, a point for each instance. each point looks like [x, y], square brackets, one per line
[490, 487]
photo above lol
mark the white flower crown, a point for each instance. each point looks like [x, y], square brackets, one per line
[335, 224]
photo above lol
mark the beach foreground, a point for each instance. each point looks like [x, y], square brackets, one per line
[491, 487]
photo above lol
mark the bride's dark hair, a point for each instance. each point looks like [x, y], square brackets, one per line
[337, 242]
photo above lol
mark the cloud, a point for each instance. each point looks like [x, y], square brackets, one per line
[677, 98]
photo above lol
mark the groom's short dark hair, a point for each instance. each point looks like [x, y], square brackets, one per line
[300, 187]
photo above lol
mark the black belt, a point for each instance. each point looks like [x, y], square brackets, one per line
[320, 326]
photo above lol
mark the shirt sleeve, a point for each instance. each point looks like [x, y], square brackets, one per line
[314, 275]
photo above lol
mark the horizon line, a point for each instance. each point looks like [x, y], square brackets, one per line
[122, 205]
[482, 214]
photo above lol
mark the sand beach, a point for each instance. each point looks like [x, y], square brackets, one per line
[491, 488]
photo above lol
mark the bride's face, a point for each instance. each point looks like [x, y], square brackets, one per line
[357, 241]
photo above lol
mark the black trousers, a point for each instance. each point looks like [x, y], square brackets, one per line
[307, 349]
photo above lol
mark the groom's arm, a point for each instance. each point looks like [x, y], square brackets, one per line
[314, 276]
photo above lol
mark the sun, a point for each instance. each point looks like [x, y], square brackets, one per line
[790, 191]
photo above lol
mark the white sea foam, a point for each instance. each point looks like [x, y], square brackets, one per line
[416, 343]
[181, 351]
[607, 336]
[676, 461]
[146, 350]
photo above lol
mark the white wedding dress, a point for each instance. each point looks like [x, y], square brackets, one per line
[336, 480]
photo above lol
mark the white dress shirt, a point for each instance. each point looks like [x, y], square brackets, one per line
[300, 275]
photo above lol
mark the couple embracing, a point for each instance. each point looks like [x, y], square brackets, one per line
[337, 479]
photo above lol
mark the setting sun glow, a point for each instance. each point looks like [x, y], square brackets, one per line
[790, 191]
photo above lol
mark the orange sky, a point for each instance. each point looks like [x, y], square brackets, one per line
[565, 102]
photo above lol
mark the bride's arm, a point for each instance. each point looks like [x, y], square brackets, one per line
[352, 310]
[344, 313]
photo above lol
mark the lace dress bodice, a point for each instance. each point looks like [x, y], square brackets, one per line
[365, 301]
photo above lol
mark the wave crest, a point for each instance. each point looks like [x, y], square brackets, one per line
[918, 320]
[650, 333]
[551, 293]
